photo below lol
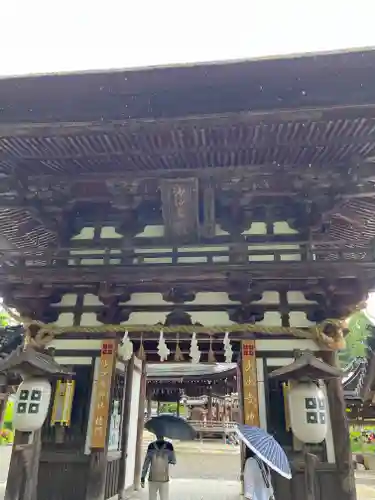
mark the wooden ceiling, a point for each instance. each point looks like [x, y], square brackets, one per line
[266, 131]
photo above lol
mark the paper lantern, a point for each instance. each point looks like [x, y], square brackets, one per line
[31, 404]
[308, 414]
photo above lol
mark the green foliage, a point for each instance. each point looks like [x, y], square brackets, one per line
[6, 433]
[359, 330]
[5, 319]
[359, 444]
[171, 408]
[8, 416]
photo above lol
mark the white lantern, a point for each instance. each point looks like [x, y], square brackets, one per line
[31, 404]
[308, 414]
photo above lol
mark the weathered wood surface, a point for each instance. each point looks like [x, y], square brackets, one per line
[96, 477]
[340, 433]
[24, 464]
[125, 427]
[310, 476]
[140, 428]
[326, 484]
[199, 276]
[114, 255]
[4, 392]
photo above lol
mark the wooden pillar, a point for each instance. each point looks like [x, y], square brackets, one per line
[140, 428]
[149, 406]
[309, 475]
[96, 478]
[3, 398]
[340, 433]
[247, 391]
[96, 475]
[24, 465]
[218, 411]
[125, 426]
[209, 405]
[249, 383]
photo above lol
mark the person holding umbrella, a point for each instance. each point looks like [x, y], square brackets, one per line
[160, 454]
[264, 453]
[257, 479]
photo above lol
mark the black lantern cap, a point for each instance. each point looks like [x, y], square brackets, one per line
[307, 367]
[27, 361]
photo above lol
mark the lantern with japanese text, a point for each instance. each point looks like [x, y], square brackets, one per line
[31, 404]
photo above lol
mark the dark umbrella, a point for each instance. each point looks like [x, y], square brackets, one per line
[171, 427]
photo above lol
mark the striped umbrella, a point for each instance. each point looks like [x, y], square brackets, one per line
[266, 448]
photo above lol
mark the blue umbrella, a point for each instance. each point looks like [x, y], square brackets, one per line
[266, 448]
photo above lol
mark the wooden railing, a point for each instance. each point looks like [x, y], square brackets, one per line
[214, 427]
[172, 256]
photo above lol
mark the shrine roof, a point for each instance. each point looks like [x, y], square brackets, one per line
[303, 114]
[358, 382]
[10, 338]
[354, 377]
[283, 82]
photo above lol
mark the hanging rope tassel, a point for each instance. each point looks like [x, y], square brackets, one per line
[141, 354]
[125, 349]
[178, 356]
[228, 351]
[194, 349]
[163, 349]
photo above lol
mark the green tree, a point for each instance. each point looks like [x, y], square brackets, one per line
[5, 319]
[359, 329]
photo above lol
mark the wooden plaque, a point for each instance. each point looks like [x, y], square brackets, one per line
[249, 383]
[103, 394]
[180, 207]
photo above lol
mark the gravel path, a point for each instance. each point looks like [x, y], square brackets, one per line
[201, 489]
[209, 475]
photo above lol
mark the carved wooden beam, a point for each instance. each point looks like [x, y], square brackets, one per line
[199, 277]
[364, 170]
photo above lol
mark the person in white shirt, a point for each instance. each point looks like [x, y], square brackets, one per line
[257, 479]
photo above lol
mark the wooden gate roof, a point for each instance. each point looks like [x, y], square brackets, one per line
[311, 116]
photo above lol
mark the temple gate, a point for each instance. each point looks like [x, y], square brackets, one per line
[195, 214]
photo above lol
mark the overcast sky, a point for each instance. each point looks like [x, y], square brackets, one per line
[40, 36]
